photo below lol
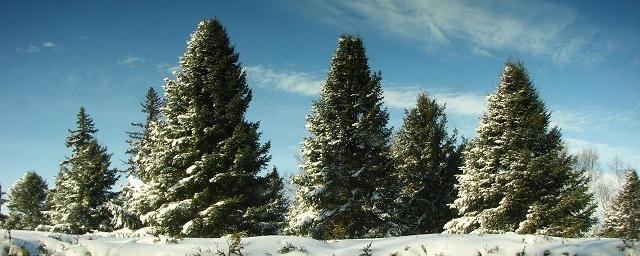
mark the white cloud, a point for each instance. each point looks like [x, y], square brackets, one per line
[465, 103]
[540, 28]
[401, 97]
[288, 81]
[48, 44]
[131, 60]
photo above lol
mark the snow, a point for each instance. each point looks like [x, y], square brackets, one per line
[303, 218]
[433, 244]
[191, 169]
[172, 206]
[186, 227]
[134, 182]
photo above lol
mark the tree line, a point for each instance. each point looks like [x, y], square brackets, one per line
[197, 168]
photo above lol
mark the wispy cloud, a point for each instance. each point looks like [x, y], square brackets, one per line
[131, 60]
[48, 44]
[543, 28]
[35, 48]
[465, 103]
[289, 81]
[585, 125]
[167, 68]
[608, 153]
[29, 49]
[595, 118]
[481, 52]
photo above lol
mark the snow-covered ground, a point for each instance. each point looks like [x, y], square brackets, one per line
[436, 244]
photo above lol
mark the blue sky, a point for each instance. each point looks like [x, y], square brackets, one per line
[56, 56]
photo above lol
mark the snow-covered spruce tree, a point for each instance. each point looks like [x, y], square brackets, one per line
[26, 202]
[137, 138]
[132, 202]
[344, 188]
[271, 213]
[82, 186]
[206, 156]
[427, 160]
[517, 175]
[622, 218]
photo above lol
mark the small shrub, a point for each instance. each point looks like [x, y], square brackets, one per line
[288, 247]
[43, 249]
[424, 249]
[366, 251]
[522, 253]
[201, 252]
[18, 251]
[234, 245]
[491, 250]
[626, 244]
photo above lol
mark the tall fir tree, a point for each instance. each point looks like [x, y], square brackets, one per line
[517, 175]
[427, 160]
[622, 218]
[26, 202]
[206, 156]
[344, 188]
[82, 186]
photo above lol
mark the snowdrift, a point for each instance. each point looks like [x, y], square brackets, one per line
[435, 244]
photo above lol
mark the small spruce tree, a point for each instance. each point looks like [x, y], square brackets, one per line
[517, 175]
[26, 202]
[83, 184]
[622, 218]
[427, 160]
[344, 190]
[270, 213]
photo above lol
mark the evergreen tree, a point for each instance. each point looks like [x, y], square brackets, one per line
[205, 156]
[132, 202]
[427, 161]
[137, 138]
[271, 211]
[26, 202]
[344, 188]
[82, 186]
[517, 175]
[622, 218]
